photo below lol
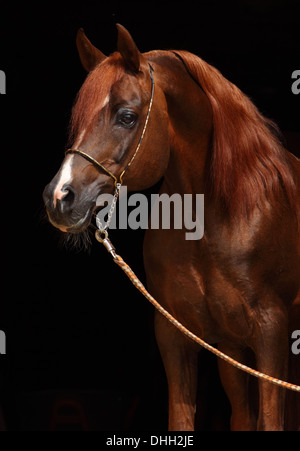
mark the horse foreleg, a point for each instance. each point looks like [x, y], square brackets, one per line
[179, 356]
[271, 350]
[236, 386]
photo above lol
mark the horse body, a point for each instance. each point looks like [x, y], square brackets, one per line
[235, 286]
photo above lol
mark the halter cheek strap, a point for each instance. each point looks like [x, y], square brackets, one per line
[100, 165]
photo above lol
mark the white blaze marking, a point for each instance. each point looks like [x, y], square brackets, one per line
[79, 139]
[100, 107]
[66, 171]
[106, 100]
[65, 177]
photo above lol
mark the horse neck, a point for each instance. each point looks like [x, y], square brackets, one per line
[190, 125]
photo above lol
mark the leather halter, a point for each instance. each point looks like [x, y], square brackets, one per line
[100, 165]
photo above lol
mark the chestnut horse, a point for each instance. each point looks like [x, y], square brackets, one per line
[234, 287]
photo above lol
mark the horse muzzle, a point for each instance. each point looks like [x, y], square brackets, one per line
[69, 212]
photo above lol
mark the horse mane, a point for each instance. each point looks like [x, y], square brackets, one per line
[249, 163]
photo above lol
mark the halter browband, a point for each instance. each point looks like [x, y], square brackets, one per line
[100, 165]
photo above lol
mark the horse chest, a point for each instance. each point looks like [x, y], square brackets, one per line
[187, 283]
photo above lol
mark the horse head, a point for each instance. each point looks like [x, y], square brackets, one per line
[110, 120]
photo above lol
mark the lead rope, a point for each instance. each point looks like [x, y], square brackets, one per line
[102, 237]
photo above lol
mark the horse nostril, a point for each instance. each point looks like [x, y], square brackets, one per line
[67, 200]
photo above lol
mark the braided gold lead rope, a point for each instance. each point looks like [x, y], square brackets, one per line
[136, 282]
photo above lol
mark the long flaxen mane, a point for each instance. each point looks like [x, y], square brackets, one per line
[249, 163]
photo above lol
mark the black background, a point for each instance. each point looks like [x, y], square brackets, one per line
[75, 327]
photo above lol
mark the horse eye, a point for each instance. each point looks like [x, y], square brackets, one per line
[127, 119]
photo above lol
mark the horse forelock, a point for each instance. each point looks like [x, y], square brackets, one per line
[93, 94]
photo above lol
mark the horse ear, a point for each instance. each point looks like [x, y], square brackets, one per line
[128, 49]
[89, 55]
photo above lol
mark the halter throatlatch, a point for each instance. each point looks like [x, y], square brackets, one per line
[102, 237]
